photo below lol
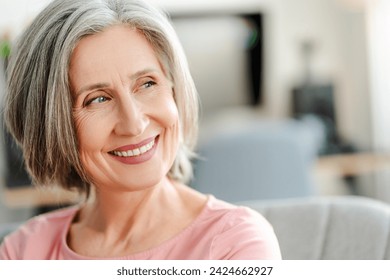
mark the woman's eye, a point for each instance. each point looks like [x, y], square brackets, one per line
[96, 100]
[148, 84]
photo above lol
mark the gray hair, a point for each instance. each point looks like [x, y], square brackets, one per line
[38, 105]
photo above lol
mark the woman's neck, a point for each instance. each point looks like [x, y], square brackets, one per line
[117, 224]
[117, 210]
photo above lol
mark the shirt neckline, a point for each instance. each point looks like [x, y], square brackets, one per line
[68, 252]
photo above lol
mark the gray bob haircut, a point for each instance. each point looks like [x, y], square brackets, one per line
[38, 104]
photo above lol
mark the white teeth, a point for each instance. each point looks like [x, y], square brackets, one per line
[135, 152]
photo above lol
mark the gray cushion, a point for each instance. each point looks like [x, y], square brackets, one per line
[260, 160]
[329, 228]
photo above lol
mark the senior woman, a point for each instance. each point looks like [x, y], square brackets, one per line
[101, 100]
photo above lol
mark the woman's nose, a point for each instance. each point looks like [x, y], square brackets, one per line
[132, 120]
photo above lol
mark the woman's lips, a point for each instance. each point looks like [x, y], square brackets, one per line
[136, 153]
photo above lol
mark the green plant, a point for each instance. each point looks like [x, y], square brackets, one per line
[5, 49]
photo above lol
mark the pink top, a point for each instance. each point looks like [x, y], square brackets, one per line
[221, 231]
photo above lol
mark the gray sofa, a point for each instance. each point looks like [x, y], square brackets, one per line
[337, 228]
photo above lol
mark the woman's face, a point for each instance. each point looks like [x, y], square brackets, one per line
[125, 114]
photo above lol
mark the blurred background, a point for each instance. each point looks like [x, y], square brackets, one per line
[294, 99]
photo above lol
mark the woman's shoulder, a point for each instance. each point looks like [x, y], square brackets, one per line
[240, 232]
[37, 233]
[230, 214]
[49, 220]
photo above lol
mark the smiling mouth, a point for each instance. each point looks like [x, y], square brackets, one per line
[134, 152]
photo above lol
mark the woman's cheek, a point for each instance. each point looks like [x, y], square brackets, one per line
[90, 125]
[165, 109]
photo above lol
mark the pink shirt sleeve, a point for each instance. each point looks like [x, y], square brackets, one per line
[13, 245]
[4, 254]
[38, 238]
[246, 235]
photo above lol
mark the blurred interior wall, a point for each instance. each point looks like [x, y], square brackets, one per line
[379, 53]
[339, 37]
[337, 28]
[215, 47]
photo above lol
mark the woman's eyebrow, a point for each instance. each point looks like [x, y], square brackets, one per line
[105, 85]
[92, 87]
[143, 72]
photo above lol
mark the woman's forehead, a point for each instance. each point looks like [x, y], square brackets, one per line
[118, 50]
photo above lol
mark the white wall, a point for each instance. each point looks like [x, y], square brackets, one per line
[379, 54]
[14, 14]
[379, 63]
[340, 57]
[216, 49]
